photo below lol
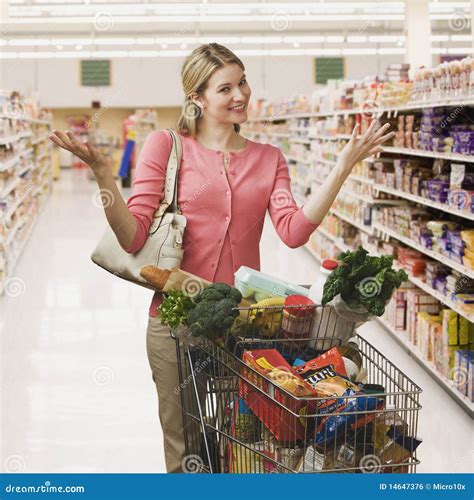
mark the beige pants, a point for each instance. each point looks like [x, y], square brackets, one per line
[161, 350]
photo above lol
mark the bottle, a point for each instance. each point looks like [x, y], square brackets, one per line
[352, 357]
[321, 315]
[316, 290]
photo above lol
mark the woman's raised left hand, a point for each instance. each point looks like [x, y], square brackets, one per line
[368, 144]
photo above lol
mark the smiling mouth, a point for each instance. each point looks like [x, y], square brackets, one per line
[239, 107]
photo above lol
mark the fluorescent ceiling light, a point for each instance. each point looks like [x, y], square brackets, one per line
[440, 38]
[386, 38]
[461, 38]
[391, 51]
[365, 52]
[335, 39]
[357, 39]
[211, 19]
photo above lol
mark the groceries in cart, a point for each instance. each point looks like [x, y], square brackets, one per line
[304, 391]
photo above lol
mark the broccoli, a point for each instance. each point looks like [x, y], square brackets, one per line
[215, 310]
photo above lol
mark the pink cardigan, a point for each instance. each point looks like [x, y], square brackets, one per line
[225, 211]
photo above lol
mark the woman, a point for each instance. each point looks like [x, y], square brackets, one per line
[226, 185]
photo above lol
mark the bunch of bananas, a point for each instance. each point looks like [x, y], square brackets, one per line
[267, 320]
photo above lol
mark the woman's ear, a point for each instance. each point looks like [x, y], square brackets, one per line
[197, 100]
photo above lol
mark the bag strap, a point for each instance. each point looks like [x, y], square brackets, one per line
[170, 198]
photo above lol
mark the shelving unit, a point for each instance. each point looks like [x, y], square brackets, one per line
[380, 233]
[23, 195]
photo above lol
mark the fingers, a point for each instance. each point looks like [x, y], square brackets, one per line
[369, 131]
[384, 138]
[73, 140]
[354, 133]
[381, 131]
[376, 150]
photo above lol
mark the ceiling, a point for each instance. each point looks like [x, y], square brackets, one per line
[163, 28]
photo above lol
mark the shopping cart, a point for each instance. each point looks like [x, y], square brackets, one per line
[239, 420]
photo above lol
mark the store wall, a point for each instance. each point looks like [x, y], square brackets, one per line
[110, 120]
[156, 82]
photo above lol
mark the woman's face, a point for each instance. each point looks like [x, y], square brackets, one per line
[227, 89]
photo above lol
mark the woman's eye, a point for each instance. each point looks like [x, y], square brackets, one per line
[225, 88]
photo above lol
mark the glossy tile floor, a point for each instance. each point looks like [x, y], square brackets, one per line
[77, 394]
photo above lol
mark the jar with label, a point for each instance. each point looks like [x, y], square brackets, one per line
[296, 320]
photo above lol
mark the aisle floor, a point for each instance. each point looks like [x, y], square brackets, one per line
[77, 394]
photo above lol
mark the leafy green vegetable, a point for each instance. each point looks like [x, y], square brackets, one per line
[175, 308]
[214, 312]
[363, 280]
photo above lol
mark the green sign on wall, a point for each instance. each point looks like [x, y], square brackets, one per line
[95, 73]
[328, 68]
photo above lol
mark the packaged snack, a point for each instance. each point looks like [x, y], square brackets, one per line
[327, 375]
[344, 416]
[398, 448]
[313, 461]
[267, 394]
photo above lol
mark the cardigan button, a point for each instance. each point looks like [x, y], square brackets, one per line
[227, 217]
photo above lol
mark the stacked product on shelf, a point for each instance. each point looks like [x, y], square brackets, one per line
[25, 178]
[414, 200]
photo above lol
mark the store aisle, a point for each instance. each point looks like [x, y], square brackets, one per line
[75, 379]
[446, 430]
[76, 385]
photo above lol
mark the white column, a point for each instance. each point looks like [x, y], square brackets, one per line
[418, 34]
[472, 25]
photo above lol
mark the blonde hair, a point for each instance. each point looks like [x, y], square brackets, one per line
[198, 67]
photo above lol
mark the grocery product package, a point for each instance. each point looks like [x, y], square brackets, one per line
[275, 394]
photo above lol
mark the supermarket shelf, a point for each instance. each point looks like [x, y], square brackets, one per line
[40, 139]
[424, 201]
[10, 163]
[442, 298]
[299, 160]
[28, 167]
[13, 231]
[299, 140]
[323, 137]
[337, 241]
[17, 203]
[376, 110]
[365, 229]
[402, 339]
[9, 139]
[434, 255]
[359, 178]
[429, 154]
[325, 161]
[9, 188]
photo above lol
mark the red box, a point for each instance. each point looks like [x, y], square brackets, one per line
[283, 414]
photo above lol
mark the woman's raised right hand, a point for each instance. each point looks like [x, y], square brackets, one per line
[97, 161]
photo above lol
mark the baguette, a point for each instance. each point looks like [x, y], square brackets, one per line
[155, 276]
